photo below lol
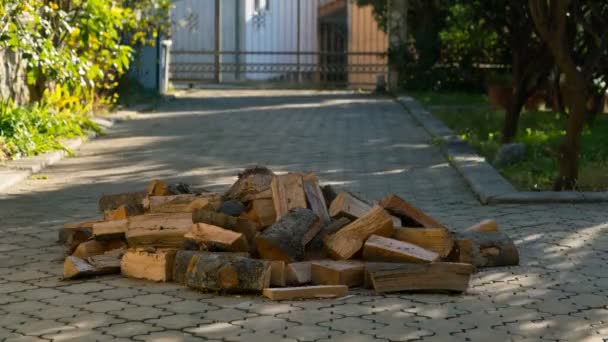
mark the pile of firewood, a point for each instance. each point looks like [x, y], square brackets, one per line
[281, 235]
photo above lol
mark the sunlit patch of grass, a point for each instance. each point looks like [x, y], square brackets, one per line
[470, 116]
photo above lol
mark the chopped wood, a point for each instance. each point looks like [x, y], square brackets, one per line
[92, 247]
[346, 242]
[315, 250]
[261, 211]
[286, 239]
[298, 273]
[112, 202]
[337, 272]
[394, 277]
[348, 205]
[287, 193]
[181, 265]
[219, 272]
[157, 238]
[123, 212]
[277, 273]
[154, 265]
[306, 292]
[225, 239]
[329, 194]
[491, 249]
[378, 248]
[108, 263]
[314, 197]
[485, 226]
[186, 203]
[113, 229]
[438, 240]
[73, 234]
[231, 208]
[157, 188]
[253, 183]
[110, 230]
[410, 215]
[239, 225]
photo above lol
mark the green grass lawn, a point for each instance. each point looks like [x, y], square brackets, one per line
[470, 116]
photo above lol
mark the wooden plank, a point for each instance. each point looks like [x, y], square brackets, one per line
[277, 273]
[348, 205]
[145, 264]
[314, 197]
[286, 239]
[394, 277]
[337, 272]
[378, 248]
[438, 240]
[287, 193]
[485, 226]
[346, 242]
[409, 214]
[213, 235]
[298, 273]
[262, 212]
[306, 292]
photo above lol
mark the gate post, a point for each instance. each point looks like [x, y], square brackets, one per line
[397, 40]
[218, 42]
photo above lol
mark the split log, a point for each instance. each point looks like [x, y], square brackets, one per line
[277, 273]
[225, 239]
[158, 188]
[232, 208]
[378, 248]
[410, 215]
[186, 203]
[287, 193]
[438, 240]
[73, 234]
[342, 272]
[112, 202]
[346, 242]
[306, 292]
[314, 197]
[113, 229]
[108, 263]
[154, 265]
[262, 212]
[286, 239]
[490, 249]
[329, 194]
[315, 250]
[348, 205]
[485, 226]
[123, 212]
[156, 238]
[298, 273]
[394, 277]
[240, 225]
[92, 247]
[218, 272]
[253, 183]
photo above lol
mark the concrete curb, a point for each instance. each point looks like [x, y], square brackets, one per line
[15, 171]
[489, 186]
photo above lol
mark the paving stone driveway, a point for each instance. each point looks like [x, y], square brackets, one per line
[368, 144]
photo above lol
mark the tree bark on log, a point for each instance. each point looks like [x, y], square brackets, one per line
[224, 273]
[113, 202]
[491, 249]
[286, 239]
[252, 183]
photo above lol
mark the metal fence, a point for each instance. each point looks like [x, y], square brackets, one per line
[321, 43]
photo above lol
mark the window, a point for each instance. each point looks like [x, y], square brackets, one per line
[261, 5]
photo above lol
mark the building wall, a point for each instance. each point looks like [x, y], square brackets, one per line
[365, 36]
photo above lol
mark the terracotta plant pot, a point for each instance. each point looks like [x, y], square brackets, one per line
[500, 95]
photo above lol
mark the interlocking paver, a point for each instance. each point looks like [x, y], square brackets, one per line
[366, 144]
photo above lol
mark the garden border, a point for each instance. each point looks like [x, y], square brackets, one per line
[15, 171]
[489, 185]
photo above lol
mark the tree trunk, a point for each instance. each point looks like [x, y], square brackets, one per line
[570, 147]
[509, 130]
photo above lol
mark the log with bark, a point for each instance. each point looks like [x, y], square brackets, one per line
[253, 183]
[410, 215]
[396, 277]
[346, 242]
[186, 203]
[124, 211]
[286, 240]
[113, 202]
[490, 249]
[107, 263]
[224, 273]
